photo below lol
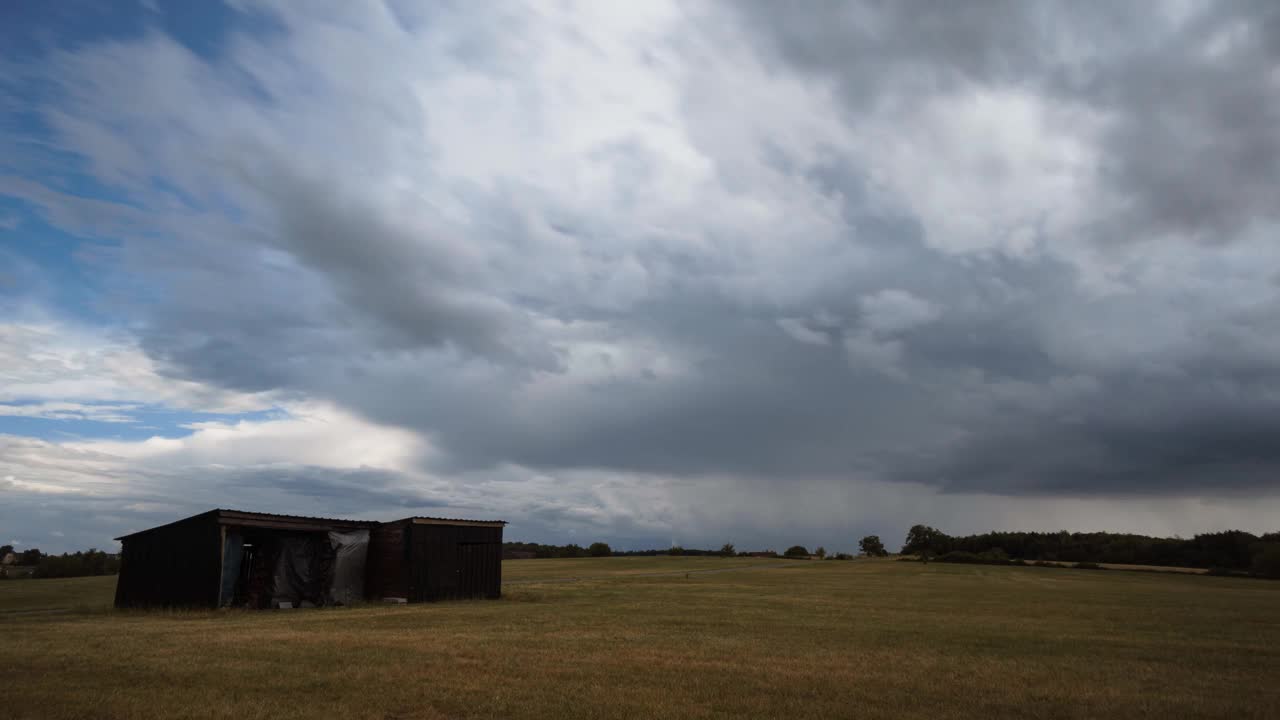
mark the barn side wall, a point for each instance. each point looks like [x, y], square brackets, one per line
[179, 565]
[454, 561]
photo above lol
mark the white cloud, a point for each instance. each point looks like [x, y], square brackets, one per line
[95, 375]
[105, 412]
[797, 329]
[308, 434]
[891, 311]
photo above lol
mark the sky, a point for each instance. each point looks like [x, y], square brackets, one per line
[645, 273]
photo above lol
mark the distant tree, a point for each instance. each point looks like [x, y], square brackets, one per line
[728, 550]
[924, 539]
[5, 550]
[30, 557]
[872, 547]
[675, 550]
[599, 549]
[1267, 562]
[821, 552]
[573, 550]
[796, 551]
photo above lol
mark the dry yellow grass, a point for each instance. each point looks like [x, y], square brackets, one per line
[858, 639]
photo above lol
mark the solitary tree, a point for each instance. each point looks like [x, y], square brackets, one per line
[796, 551]
[5, 550]
[922, 539]
[727, 550]
[872, 547]
[821, 552]
[599, 549]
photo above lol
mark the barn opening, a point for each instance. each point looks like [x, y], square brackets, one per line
[231, 558]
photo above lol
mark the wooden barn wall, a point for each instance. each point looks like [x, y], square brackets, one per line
[175, 566]
[454, 561]
[386, 569]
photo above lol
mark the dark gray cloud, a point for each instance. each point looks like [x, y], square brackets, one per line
[1187, 94]
[966, 268]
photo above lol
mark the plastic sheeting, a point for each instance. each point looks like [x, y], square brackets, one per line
[320, 569]
[301, 571]
[232, 553]
[350, 550]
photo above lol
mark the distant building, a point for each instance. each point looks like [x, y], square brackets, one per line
[228, 558]
[9, 559]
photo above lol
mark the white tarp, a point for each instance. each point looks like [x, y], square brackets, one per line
[350, 550]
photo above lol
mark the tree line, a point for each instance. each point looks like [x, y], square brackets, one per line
[77, 564]
[1235, 550]
[599, 549]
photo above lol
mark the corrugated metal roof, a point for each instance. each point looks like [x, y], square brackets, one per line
[231, 514]
[280, 516]
[453, 521]
[458, 520]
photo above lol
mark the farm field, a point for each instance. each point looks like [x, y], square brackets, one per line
[865, 639]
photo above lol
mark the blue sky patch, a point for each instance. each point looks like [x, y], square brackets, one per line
[144, 422]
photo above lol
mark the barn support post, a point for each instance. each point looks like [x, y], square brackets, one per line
[222, 561]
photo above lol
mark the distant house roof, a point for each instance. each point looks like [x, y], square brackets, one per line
[305, 523]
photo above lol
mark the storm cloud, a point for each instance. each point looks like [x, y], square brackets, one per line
[1019, 250]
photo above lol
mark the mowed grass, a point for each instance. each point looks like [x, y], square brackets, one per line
[98, 593]
[81, 594]
[522, 571]
[862, 639]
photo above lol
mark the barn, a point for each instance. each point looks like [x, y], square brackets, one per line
[231, 558]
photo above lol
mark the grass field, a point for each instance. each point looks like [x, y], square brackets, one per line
[864, 639]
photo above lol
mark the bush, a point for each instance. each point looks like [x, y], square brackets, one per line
[1266, 562]
[990, 557]
[996, 555]
[796, 551]
[959, 556]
